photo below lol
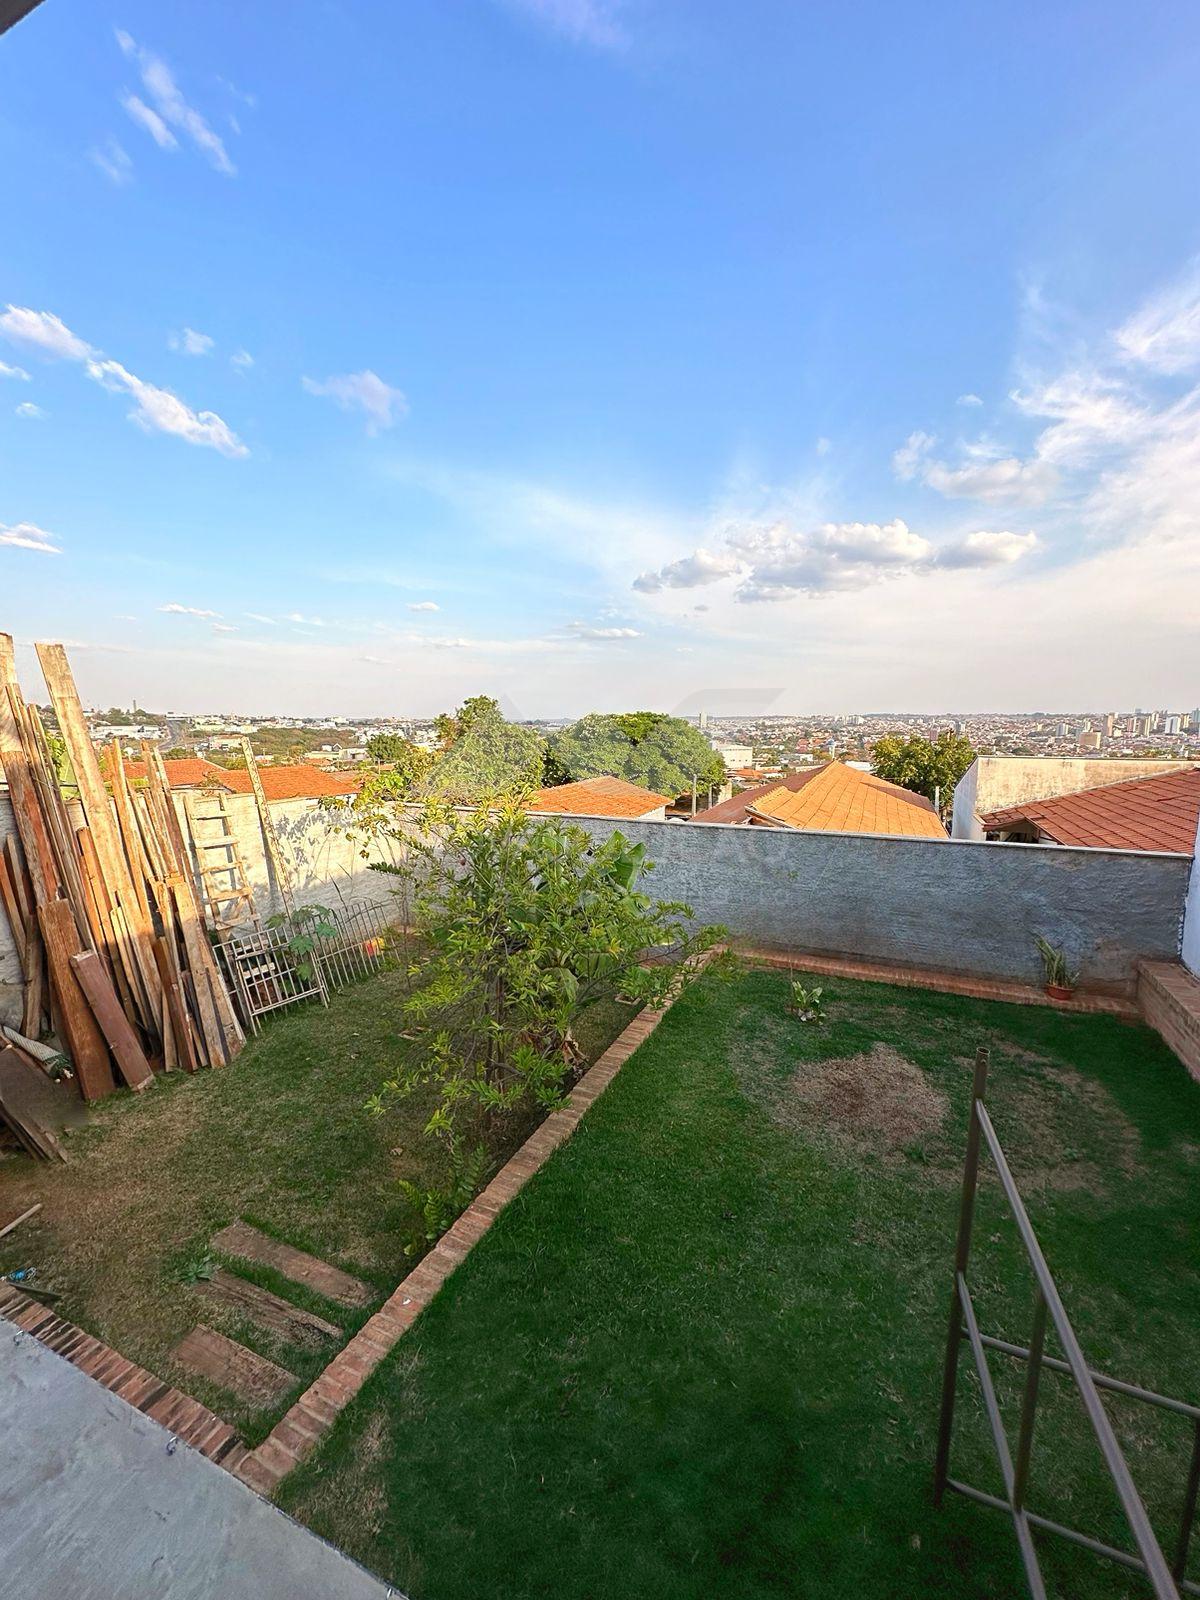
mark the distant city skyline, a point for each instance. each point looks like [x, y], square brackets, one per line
[599, 355]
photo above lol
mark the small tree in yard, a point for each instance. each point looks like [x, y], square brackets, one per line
[928, 767]
[527, 922]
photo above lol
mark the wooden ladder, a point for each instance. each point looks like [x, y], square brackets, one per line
[227, 892]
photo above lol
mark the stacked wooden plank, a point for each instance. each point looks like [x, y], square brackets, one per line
[103, 908]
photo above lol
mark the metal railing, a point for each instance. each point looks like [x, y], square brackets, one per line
[1167, 1582]
[303, 957]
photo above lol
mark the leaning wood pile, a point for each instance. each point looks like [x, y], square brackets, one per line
[111, 937]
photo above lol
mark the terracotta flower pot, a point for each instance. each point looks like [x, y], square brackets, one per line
[1059, 991]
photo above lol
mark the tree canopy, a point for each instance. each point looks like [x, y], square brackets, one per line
[484, 757]
[646, 747]
[928, 767]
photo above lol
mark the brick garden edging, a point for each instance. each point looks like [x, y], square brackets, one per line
[1021, 994]
[294, 1438]
[186, 1418]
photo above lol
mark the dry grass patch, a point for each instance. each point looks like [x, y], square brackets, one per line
[878, 1103]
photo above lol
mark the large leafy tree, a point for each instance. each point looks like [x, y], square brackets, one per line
[930, 767]
[646, 747]
[484, 757]
[407, 765]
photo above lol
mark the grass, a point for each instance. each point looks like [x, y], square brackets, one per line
[700, 1354]
[279, 1138]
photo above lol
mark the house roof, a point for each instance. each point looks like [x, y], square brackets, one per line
[842, 799]
[1156, 813]
[598, 797]
[295, 783]
[738, 808]
[279, 783]
[187, 773]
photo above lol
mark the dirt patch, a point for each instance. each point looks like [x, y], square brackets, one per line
[878, 1103]
[1065, 1132]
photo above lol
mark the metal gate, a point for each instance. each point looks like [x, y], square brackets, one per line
[1167, 1582]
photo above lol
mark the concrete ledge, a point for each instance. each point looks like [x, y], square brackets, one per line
[1170, 1000]
[186, 1418]
[300, 1431]
[1020, 994]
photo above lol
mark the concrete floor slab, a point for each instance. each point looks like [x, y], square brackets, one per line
[94, 1504]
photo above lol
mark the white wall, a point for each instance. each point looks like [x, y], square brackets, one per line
[992, 782]
[1190, 945]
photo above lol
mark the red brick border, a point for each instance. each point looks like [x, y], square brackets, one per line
[292, 1439]
[1021, 994]
[1170, 1000]
[186, 1418]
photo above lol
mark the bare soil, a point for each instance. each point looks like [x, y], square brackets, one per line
[878, 1103]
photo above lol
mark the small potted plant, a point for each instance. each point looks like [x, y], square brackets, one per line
[1060, 980]
[806, 1003]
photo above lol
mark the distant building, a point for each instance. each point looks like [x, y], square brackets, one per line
[733, 755]
[1089, 739]
[1172, 725]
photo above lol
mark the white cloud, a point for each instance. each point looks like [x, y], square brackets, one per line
[150, 120]
[13, 372]
[584, 630]
[907, 461]
[113, 160]
[241, 358]
[44, 332]
[689, 572]
[983, 549]
[28, 409]
[27, 536]
[1164, 333]
[306, 622]
[256, 616]
[170, 109]
[1009, 481]
[176, 610]
[593, 22]
[223, 627]
[362, 391]
[190, 343]
[158, 410]
[823, 446]
[968, 400]
[424, 605]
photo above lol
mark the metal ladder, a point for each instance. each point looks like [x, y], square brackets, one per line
[226, 889]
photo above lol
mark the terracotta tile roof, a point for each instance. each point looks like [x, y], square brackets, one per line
[1157, 813]
[841, 799]
[186, 773]
[737, 809]
[296, 783]
[598, 797]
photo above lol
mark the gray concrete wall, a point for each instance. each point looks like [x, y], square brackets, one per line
[993, 782]
[958, 906]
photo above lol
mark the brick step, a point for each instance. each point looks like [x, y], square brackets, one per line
[1170, 1000]
[240, 1239]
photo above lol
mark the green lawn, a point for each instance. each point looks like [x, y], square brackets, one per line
[700, 1355]
[281, 1138]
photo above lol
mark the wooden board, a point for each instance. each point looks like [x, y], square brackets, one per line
[114, 1024]
[269, 1310]
[240, 1239]
[81, 1032]
[23, 1103]
[225, 1362]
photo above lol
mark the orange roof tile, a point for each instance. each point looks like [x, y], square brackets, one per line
[841, 799]
[1156, 813]
[598, 797]
[737, 809]
[296, 783]
[188, 772]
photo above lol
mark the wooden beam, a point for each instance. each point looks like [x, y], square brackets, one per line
[114, 1024]
[267, 826]
[105, 834]
[81, 1032]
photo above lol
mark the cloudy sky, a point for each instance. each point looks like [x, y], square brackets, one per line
[600, 353]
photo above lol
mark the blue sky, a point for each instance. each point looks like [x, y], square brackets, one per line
[669, 353]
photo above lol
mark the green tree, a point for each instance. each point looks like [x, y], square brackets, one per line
[408, 765]
[527, 923]
[486, 757]
[928, 767]
[646, 747]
